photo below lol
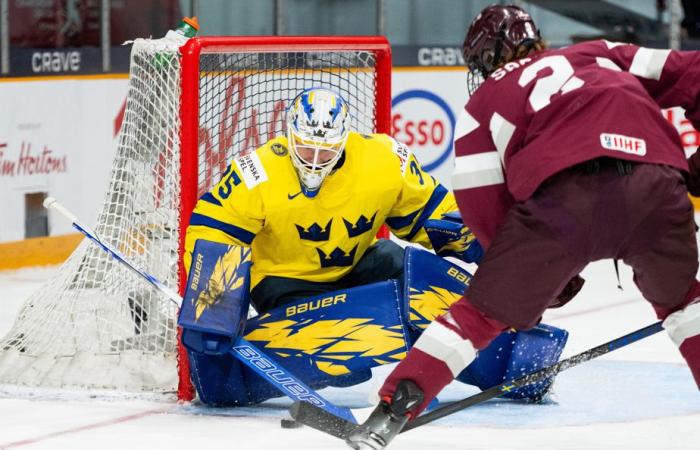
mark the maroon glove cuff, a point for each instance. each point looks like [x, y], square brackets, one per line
[570, 290]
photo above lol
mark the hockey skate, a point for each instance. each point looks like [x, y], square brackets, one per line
[387, 420]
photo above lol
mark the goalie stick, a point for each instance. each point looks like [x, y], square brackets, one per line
[321, 420]
[244, 351]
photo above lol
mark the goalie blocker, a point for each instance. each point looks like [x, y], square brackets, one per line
[336, 338]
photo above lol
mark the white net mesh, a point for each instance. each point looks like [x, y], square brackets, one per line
[243, 97]
[96, 325]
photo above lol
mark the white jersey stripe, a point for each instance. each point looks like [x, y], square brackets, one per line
[501, 132]
[649, 63]
[481, 169]
[477, 179]
[612, 45]
[446, 345]
[466, 123]
[607, 64]
[477, 162]
[683, 324]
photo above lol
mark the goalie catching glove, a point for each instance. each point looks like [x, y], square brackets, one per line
[450, 237]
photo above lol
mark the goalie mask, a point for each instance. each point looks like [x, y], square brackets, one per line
[494, 38]
[317, 128]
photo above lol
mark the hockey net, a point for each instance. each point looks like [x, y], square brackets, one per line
[96, 325]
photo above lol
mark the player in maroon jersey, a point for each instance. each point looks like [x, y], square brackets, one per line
[562, 158]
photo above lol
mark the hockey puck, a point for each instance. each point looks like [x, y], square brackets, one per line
[289, 423]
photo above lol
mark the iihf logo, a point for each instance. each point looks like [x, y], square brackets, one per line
[625, 144]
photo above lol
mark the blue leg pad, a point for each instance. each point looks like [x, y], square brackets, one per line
[514, 354]
[219, 380]
[213, 314]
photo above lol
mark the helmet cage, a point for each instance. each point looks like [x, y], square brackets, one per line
[313, 161]
[317, 129]
[494, 37]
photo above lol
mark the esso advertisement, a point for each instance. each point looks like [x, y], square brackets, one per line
[424, 109]
[422, 120]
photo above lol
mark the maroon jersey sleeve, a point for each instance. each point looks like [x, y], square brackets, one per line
[672, 78]
[478, 178]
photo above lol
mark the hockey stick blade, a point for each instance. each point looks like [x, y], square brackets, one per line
[321, 420]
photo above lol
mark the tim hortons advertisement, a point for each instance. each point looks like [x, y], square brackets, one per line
[56, 137]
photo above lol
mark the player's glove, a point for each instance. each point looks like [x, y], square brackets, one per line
[450, 237]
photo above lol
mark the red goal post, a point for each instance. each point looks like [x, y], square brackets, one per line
[263, 74]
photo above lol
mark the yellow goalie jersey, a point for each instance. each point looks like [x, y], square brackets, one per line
[258, 203]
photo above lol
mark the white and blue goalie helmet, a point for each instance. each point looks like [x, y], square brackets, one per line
[317, 128]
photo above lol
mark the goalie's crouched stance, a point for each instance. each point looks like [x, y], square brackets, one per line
[335, 338]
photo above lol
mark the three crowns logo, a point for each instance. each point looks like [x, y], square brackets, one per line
[362, 225]
[315, 232]
[337, 258]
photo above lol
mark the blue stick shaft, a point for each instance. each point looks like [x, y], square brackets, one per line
[172, 295]
[246, 352]
[52, 203]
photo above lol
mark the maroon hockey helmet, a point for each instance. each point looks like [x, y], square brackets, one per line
[494, 37]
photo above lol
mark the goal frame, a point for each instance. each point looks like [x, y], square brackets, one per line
[189, 118]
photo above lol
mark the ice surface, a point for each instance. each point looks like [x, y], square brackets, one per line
[639, 397]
